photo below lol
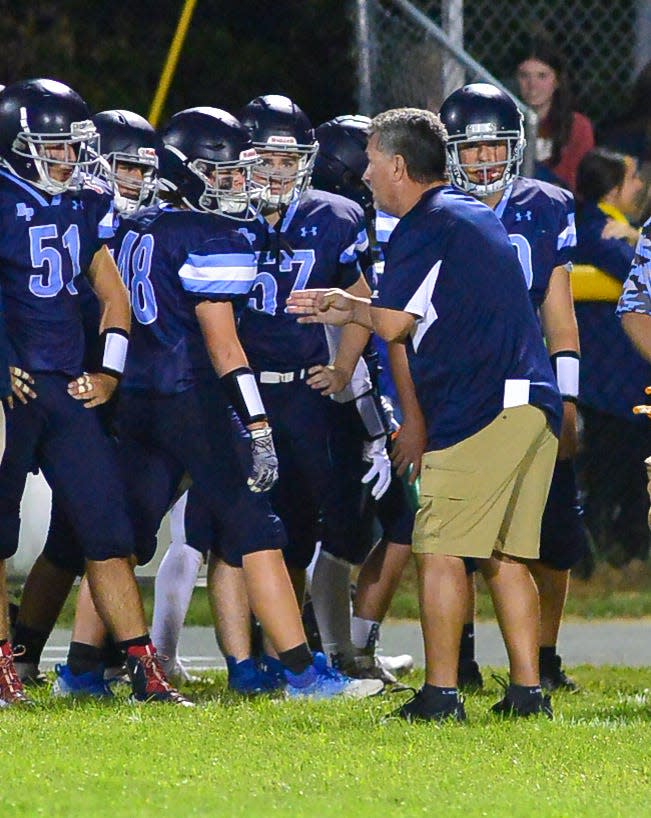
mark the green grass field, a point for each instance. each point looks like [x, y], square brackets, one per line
[230, 757]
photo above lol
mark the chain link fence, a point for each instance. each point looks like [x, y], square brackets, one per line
[417, 53]
[605, 43]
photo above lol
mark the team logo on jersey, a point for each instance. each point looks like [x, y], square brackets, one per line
[24, 212]
[522, 216]
[250, 237]
[313, 231]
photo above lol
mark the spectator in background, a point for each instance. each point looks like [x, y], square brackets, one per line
[564, 135]
[631, 132]
[613, 375]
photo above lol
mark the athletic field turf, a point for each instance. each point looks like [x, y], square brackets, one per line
[230, 757]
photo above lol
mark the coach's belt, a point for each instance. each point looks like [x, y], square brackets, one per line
[282, 377]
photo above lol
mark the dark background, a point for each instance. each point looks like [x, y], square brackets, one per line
[113, 53]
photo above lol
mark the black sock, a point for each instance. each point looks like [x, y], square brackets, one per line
[138, 641]
[32, 640]
[112, 656]
[520, 695]
[296, 659]
[439, 698]
[547, 656]
[467, 647]
[84, 658]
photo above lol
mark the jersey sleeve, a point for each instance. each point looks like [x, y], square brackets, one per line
[566, 238]
[220, 269]
[636, 295]
[411, 271]
[354, 244]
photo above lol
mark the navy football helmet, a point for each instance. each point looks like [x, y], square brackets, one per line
[480, 112]
[341, 160]
[46, 135]
[207, 160]
[128, 142]
[282, 132]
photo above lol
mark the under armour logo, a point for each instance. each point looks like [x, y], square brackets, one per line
[77, 205]
[309, 230]
[519, 216]
[24, 212]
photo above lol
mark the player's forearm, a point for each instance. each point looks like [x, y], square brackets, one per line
[351, 345]
[637, 326]
[403, 381]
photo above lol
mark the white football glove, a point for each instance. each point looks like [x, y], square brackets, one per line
[375, 453]
[264, 468]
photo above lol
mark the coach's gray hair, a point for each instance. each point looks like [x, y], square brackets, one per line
[418, 136]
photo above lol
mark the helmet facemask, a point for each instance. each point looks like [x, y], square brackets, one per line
[70, 156]
[228, 186]
[488, 182]
[130, 191]
[290, 176]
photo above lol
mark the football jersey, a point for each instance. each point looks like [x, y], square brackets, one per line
[5, 380]
[170, 260]
[317, 245]
[636, 296]
[540, 221]
[476, 347]
[46, 243]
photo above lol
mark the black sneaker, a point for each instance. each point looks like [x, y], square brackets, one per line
[470, 679]
[535, 704]
[554, 677]
[416, 709]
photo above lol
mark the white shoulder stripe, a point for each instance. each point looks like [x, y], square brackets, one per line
[420, 305]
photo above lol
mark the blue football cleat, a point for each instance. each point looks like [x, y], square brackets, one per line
[247, 678]
[85, 684]
[320, 681]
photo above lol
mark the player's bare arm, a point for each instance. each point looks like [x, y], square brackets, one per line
[334, 377]
[562, 335]
[637, 326]
[96, 388]
[411, 438]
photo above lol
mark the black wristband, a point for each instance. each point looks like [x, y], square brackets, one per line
[243, 395]
[114, 343]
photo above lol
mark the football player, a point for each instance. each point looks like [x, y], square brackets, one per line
[189, 265]
[128, 146]
[485, 148]
[361, 435]
[54, 226]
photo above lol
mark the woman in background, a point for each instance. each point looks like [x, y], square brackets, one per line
[564, 135]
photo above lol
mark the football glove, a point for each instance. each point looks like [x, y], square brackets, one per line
[375, 453]
[264, 468]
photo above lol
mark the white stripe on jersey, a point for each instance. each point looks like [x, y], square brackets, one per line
[232, 273]
[567, 237]
[420, 304]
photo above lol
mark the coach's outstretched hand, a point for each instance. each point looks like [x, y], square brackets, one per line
[335, 307]
[264, 470]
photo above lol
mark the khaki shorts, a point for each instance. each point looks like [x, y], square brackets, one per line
[647, 463]
[487, 493]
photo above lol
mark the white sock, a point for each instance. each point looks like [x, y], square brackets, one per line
[360, 630]
[175, 581]
[331, 600]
